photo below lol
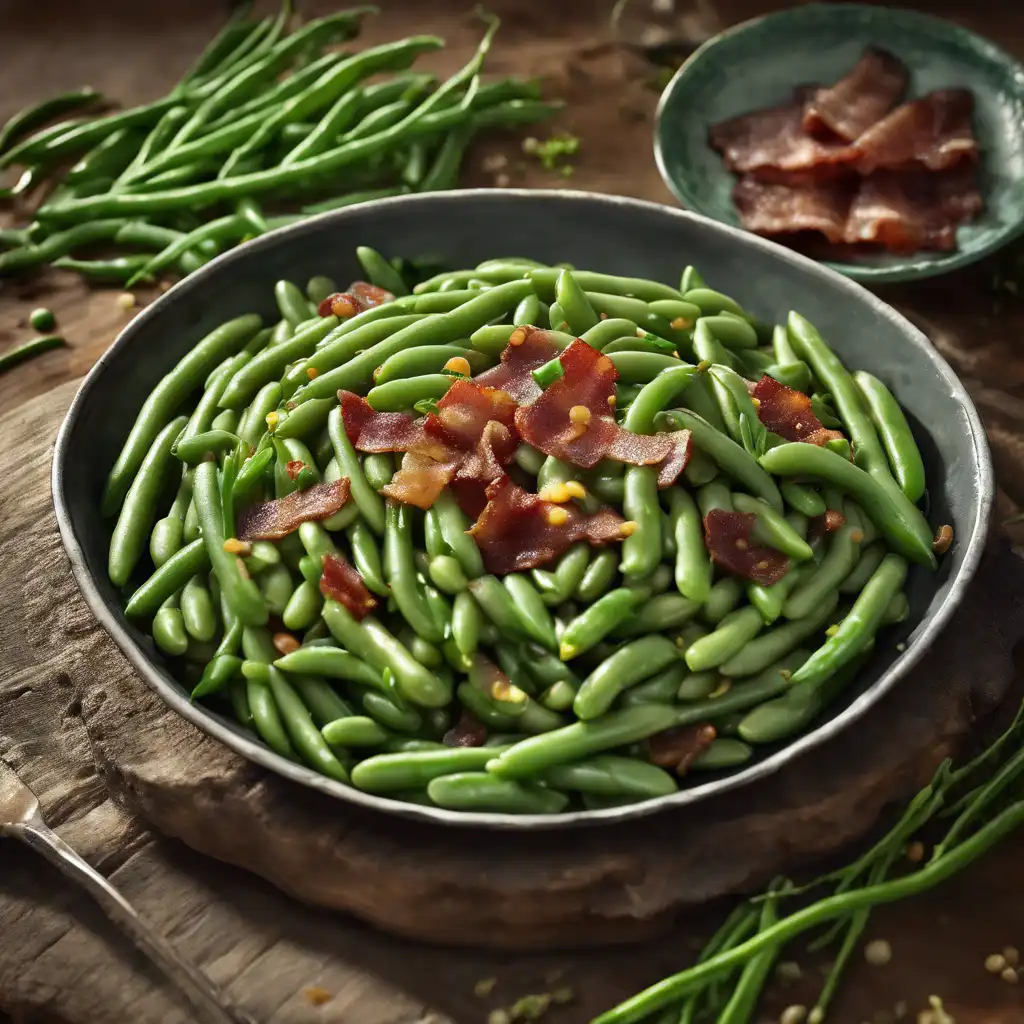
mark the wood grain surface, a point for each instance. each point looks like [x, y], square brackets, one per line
[58, 959]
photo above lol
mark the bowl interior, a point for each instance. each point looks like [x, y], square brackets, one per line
[757, 64]
[604, 233]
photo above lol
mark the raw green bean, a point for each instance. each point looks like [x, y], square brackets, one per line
[401, 394]
[723, 753]
[631, 664]
[401, 569]
[299, 725]
[858, 626]
[479, 791]
[778, 642]
[355, 731]
[890, 510]
[769, 600]
[600, 575]
[168, 629]
[139, 509]
[802, 498]
[168, 579]
[534, 619]
[870, 559]
[379, 271]
[722, 598]
[197, 609]
[578, 312]
[465, 622]
[839, 561]
[693, 566]
[454, 525]
[169, 393]
[545, 282]
[658, 614]
[391, 773]
[596, 622]
[366, 499]
[609, 775]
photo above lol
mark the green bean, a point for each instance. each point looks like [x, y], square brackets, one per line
[839, 561]
[371, 641]
[691, 279]
[802, 498]
[355, 731]
[658, 614]
[870, 559]
[530, 311]
[600, 575]
[712, 302]
[698, 686]
[398, 719]
[139, 509]
[430, 359]
[733, 633]
[478, 791]
[630, 664]
[732, 332]
[454, 525]
[277, 586]
[167, 534]
[197, 609]
[895, 434]
[404, 588]
[729, 456]
[778, 642]
[191, 450]
[366, 499]
[331, 662]
[498, 604]
[596, 622]
[303, 607]
[604, 332]
[391, 773]
[897, 610]
[401, 394]
[293, 305]
[769, 600]
[423, 650]
[659, 689]
[858, 626]
[641, 550]
[379, 271]
[167, 396]
[890, 510]
[772, 529]
[714, 495]
[608, 775]
[465, 623]
[723, 753]
[693, 567]
[168, 628]
[168, 579]
[576, 308]
[545, 282]
[299, 725]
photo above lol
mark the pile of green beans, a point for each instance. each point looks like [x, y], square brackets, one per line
[561, 679]
[267, 111]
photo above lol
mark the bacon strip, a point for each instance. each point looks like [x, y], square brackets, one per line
[340, 581]
[933, 132]
[865, 95]
[907, 212]
[272, 520]
[466, 409]
[572, 420]
[727, 537]
[361, 295]
[780, 209]
[772, 145]
[528, 348]
[519, 530]
[787, 413]
[420, 480]
[372, 431]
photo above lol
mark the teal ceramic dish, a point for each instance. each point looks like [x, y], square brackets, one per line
[757, 64]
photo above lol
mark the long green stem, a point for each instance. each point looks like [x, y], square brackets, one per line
[678, 985]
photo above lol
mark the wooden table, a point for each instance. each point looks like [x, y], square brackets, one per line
[133, 52]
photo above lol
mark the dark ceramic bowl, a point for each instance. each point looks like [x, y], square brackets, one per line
[620, 236]
[758, 63]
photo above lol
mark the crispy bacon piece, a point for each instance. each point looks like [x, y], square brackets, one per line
[340, 581]
[829, 522]
[293, 468]
[787, 413]
[771, 144]
[933, 132]
[908, 211]
[572, 420]
[528, 348]
[464, 412]
[782, 209]
[467, 732]
[372, 431]
[865, 95]
[272, 520]
[727, 537]
[676, 749]
[420, 479]
[361, 295]
[516, 532]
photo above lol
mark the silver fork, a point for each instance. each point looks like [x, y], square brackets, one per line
[21, 819]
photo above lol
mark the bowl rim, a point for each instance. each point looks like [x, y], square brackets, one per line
[232, 736]
[910, 269]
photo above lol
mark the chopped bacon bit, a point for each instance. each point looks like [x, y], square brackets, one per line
[369, 295]
[293, 468]
[285, 643]
[493, 451]
[865, 95]
[528, 348]
[466, 409]
[514, 531]
[360, 296]
[727, 536]
[419, 480]
[834, 520]
[570, 420]
[676, 749]
[467, 732]
[342, 583]
[471, 496]
[943, 540]
[787, 413]
[829, 522]
[372, 431]
[272, 520]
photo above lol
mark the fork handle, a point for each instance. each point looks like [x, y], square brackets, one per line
[203, 994]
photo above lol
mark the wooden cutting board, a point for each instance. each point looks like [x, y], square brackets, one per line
[109, 761]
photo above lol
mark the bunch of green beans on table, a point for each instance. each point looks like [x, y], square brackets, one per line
[587, 676]
[272, 112]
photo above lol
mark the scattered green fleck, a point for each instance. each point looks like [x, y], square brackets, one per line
[563, 995]
[566, 170]
[426, 406]
[484, 987]
[530, 1007]
[42, 319]
[549, 152]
